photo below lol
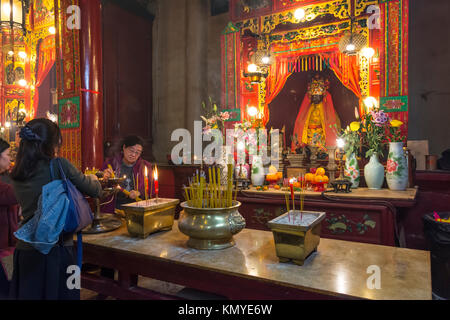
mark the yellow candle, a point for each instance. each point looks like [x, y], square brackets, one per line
[113, 175]
[214, 187]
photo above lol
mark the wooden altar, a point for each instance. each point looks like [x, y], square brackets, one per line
[338, 270]
[370, 216]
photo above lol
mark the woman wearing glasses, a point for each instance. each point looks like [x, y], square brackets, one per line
[129, 164]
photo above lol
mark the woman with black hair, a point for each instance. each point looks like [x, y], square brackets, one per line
[37, 276]
[8, 216]
[128, 163]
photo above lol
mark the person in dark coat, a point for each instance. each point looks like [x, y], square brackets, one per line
[128, 163]
[37, 276]
[8, 215]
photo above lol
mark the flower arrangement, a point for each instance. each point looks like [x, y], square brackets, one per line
[352, 137]
[374, 125]
[395, 133]
[213, 119]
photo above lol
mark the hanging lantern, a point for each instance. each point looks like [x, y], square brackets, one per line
[351, 43]
[12, 14]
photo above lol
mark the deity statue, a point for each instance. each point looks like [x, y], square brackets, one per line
[316, 115]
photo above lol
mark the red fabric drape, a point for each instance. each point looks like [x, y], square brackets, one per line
[45, 62]
[278, 75]
[346, 70]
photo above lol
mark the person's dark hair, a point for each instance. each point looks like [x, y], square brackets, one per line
[3, 145]
[39, 139]
[132, 141]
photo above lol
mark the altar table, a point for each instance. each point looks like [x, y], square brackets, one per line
[250, 270]
[370, 216]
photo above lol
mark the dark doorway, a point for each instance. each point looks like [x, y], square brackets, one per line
[127, 74]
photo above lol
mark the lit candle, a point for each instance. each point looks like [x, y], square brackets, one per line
[146, 182]
[155, 177]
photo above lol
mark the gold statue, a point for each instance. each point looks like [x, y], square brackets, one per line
[316, 115]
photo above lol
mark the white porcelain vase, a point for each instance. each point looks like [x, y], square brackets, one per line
[351, 170]
[258, 175]
[397, 167]
[374, 173]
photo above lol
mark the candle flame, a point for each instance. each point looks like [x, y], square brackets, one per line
[155, 173]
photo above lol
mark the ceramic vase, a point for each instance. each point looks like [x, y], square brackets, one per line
[257, 171]
[351, 170]
[396, 167]
[374, 173]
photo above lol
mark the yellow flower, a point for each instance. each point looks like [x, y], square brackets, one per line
[396, 123]
[355, 126]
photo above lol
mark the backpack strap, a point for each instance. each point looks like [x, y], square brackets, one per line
[79, 249]
[52, 173]
[63, 175]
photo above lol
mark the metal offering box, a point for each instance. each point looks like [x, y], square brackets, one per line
[150, 216]
[295, 237]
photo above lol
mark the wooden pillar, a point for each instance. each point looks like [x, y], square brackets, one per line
[91, 83]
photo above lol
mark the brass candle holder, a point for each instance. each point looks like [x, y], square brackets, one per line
[105, 222]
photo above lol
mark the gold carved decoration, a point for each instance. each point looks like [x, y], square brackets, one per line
[361, 6]
[364, 75]
[261, 96]
[316, 31]
[338, 8]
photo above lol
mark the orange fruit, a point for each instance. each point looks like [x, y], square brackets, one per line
[309, 177]
[276, 187]
[320, 172]
[280, 175]
[326, 179]
[318, 179]
[296, 184]
[265, 188]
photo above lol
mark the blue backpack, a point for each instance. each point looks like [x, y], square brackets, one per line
[61, 209]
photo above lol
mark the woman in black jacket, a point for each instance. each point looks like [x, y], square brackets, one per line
[37, 276]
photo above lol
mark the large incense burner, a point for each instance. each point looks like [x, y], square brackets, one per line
[211, 228]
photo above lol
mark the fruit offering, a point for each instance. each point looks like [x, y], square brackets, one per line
[317, 179]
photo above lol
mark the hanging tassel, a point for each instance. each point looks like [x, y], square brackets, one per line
[299, 65]
[321, 64]
[306, 64]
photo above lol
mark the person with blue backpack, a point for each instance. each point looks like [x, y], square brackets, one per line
[44, 250]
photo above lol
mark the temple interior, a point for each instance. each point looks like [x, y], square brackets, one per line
[296, 149]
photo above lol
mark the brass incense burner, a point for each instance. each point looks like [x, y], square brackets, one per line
[211, 228]
[296, 234]
[149, 216]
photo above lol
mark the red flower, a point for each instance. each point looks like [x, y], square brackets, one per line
[391, 166]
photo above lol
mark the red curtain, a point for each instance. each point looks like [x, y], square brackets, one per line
[344, 67]
[278, 75]
[346, 70]
[46, 55]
